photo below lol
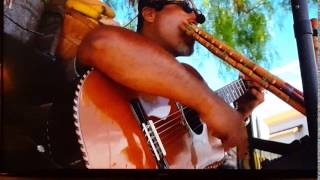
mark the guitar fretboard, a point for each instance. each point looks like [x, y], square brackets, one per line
[232, 91]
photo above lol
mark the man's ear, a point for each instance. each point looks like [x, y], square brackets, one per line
[148, 14]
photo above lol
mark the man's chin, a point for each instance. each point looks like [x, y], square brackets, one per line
[187, 51]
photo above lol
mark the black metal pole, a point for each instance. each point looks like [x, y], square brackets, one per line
[303, 34]
[251, 146]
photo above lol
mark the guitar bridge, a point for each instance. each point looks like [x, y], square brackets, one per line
[154, 140]
[152, 135]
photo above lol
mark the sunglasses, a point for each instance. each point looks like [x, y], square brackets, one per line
[187, 5]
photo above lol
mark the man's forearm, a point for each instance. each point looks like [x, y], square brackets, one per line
[139, 64]
[142, 65]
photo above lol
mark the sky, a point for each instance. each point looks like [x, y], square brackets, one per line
[285, 65]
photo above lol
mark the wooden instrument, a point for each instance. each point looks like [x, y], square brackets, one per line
[283, 90]
[117, 132]
[81, 17]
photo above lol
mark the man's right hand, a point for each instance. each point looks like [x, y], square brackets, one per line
[228, 125]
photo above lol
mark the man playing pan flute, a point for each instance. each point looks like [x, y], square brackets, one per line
[144, 63]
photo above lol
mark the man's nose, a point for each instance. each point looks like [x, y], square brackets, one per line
[193, 17]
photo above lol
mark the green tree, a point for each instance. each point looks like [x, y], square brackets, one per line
[242, 24]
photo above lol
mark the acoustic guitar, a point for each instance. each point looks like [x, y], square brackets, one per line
[117, 131]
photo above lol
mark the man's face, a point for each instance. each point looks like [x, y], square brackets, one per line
[171, 37]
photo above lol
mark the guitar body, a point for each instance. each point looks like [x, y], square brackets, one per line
[110, 135]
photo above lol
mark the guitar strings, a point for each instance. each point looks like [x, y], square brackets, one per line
[168, 128]
[170, 115]
[174, 128]
[165, 122]
[239, 84]
[167, 138]
[170, 132]
[169, 121]
[175, 124]
[170, 137]
[179, 130]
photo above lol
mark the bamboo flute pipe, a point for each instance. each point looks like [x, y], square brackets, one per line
[247, 62]
[294, 102]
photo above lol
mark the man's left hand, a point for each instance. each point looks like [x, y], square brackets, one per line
[250, 100]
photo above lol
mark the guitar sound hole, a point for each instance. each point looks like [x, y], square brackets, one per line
[193, 120]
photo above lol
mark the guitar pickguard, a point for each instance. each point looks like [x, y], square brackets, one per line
[207, 149]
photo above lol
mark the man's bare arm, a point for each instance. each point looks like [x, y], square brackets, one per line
[136, 62]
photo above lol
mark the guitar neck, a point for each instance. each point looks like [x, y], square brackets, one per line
[232, 91]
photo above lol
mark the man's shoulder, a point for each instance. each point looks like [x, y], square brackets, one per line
[192, 70]
[110, 31]
[106, 34]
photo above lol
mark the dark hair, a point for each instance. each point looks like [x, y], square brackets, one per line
[140, 18]
[157, 4]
